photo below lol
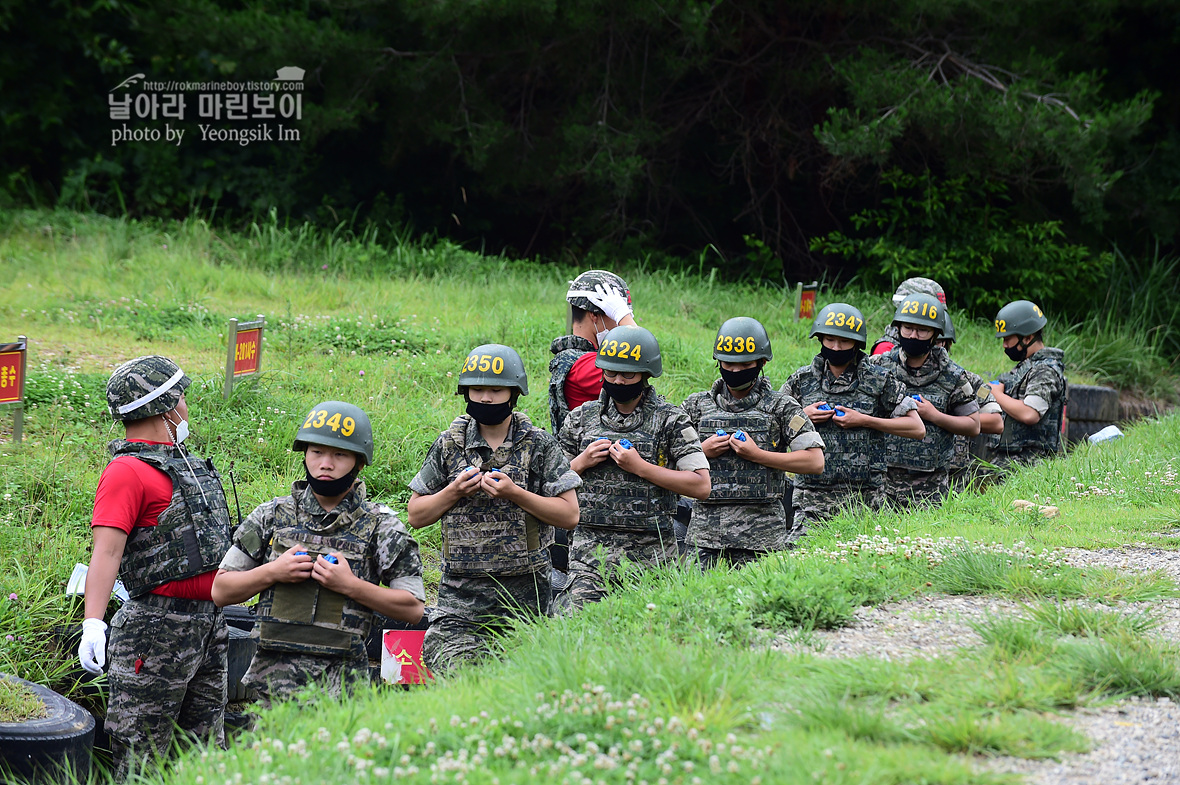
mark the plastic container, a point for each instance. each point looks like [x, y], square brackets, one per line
[1107, 434]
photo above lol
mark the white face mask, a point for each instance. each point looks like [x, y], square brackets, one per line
[181, 430]
[600, 334]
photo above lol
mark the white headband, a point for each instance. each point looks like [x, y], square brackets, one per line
[153, 395]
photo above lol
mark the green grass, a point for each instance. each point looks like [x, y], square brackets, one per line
[18, 703]
[91, 292]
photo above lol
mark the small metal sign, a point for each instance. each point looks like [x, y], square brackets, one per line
[244, 350]
[805, 300]
[13, 366]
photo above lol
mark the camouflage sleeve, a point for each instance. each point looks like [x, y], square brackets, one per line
[962, 401]
[791, 385]
[570, 435]
[398, 563]
[1044, 387]
[692, 408]
[432, 477]
[983, 395]
[894, 399]
[251, 540]
[552, 468]
[799, 431]
[684, 444]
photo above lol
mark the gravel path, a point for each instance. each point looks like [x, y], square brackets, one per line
[1134, 741]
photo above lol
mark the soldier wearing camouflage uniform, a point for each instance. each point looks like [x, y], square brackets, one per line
[635, 453]
[964, 470]
[753, 436]
[316, 559]
[853, 404]
[909, 286]
[597, 302]
[499, 485]
[919, 471]
[161, 523]
[1033, 393]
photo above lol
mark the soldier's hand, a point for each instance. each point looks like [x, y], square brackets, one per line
[627, 458]
[467, 482]
[292, 566]
[597, 452]
[925, 408]
[716, 445]
[497, 484]
[818, 415]
[850, 418]
[337, 576]
[997, 387]
[747, 449]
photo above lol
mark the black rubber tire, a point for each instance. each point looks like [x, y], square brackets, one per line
[1093, 403]
[1080, 430]
[239, 616]
[43, 750]
[382, 623]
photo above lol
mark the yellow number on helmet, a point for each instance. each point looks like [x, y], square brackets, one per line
[497, 365]
[334, 421]
[319, 421]
[840, 319]
[750, 345]
[934, 312]
[307, 422]
[720, 339]
[347, 427]
[485, 362]
[1037, 308]
[624, 347]
[1001, 325]
[635, 352]
[729, 343]
[831, 318]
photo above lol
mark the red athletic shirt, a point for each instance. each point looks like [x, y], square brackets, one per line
[882, 348]
[584, 382]
[132, 493]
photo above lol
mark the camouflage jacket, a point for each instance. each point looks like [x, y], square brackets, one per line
[566, 351]
[191, 534]
[1037, 381]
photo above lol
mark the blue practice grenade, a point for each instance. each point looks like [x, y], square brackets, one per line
[330, 559]
[741, 437]
[721, 432]
[625, 444]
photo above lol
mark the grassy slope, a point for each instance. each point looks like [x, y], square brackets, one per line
[91, 292]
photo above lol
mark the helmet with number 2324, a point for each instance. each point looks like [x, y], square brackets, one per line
[742, 339]
[337, 424]
[840, 320]
[493, 365]
[630, 349]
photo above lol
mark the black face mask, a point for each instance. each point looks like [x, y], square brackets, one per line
[330, 488]
[915, 347]
[838, 357]
[1018, 352]
[489, 413]
[621, 393]
[740, 380]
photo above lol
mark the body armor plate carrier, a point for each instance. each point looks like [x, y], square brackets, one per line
[852, 455]
[937, 450]
[191, 535]
[1046, 434]
[734, 478]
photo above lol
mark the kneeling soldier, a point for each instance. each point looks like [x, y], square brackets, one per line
[499, 485]
[636, 453]
[753, 435]
[317, 557]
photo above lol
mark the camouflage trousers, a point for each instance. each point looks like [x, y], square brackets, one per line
[734, 557]
[280, 675]
[167, 674]
[822, 503]
[597, 555]
[907, 489]
[473, 610]
[1029, 456]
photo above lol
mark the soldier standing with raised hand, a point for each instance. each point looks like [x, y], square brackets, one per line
[499, 485]
[160, 523]
[753, 435]
[853, 405]
[1033, 393]
[636, 453]
[318, 558]
[919, 471]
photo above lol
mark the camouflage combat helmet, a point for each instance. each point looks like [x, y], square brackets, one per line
[586, 283]
[628, 349]
[337, 424]
[1020, 317]
[919, 286]
[493, 365]
[922, 310]
[145, 387]
[948, 332]
[841, 320]
[742, 339]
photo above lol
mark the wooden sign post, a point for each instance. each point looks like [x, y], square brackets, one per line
[805, 300]
[244, 356]
[13, 365]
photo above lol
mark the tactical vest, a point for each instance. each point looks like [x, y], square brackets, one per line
[305, 617]
[611, 498]
[566, 351]
[1046, 434]
[734, 478]
[486, 536]
[981, 445]
[851, 455]
[937, 449]
[191, 535]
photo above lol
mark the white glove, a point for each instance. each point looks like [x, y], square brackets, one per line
[613, 303]
[92, 651]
